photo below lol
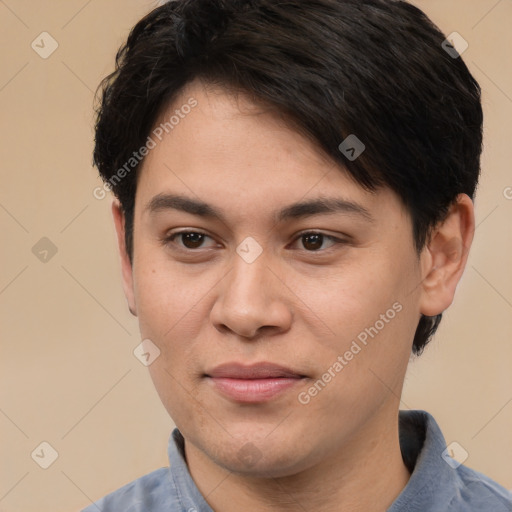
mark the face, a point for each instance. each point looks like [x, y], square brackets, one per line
[274, 318]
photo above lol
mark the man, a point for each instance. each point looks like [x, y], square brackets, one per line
[294, 185]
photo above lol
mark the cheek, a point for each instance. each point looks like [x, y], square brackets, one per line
[168, 299]
[173, 307]
[178, 392]
[369, 303]
[348, 299]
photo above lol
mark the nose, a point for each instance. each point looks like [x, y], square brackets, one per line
[252, 301]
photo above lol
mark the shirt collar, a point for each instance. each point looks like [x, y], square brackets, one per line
[433, 482]
[188, 495]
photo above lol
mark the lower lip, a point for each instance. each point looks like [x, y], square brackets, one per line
[253, 390]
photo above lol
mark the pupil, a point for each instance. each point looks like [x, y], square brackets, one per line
[192, 240]
[317, 241]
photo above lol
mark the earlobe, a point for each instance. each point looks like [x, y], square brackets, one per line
[126, 266]
[444, 257]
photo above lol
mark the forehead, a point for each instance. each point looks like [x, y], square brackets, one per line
[227, 130]
[229, 152]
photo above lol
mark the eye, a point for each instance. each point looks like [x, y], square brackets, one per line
[314, 240]
[190, 239]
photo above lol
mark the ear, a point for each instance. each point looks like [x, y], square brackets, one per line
[444, 258]
[126, 266]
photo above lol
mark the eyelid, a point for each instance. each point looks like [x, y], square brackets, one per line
[168, 239]
[335, 239]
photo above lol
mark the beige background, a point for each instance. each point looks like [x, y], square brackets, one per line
[68, 374]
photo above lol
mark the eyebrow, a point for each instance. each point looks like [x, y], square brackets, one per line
[318, 206]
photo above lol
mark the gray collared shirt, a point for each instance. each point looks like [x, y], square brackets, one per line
[437, 483]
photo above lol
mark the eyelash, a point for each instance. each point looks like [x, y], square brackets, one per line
[168, 240]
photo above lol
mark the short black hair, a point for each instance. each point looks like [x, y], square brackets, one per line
[377, 69]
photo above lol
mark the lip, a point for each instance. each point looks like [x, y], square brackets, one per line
[254, 383]
[263, 370]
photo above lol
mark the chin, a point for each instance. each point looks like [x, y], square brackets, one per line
[259, 456]
[262, 466]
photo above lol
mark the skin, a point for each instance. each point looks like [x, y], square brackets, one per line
[300, 304]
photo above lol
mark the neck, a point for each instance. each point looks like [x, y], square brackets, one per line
[366, 473]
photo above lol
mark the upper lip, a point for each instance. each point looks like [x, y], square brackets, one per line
[263, 370]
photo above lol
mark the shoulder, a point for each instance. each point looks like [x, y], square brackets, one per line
[439, 482]
[149, 493]
[477, 491]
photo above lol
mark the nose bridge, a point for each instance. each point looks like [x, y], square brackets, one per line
[248, 283]
[250, 297]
